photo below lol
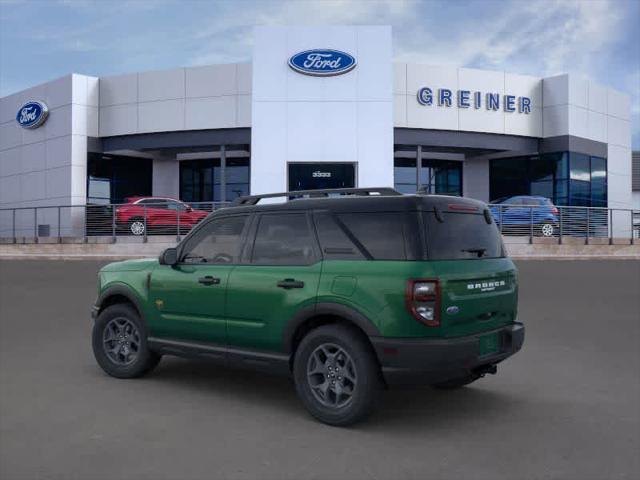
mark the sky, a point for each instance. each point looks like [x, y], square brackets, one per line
[44, 39]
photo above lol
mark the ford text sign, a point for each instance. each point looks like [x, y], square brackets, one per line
[322, 63]
[32, 114]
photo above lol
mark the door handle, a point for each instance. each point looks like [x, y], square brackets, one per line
[288, 283]
[209, 280]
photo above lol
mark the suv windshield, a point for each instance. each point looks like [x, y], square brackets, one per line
[462, 236]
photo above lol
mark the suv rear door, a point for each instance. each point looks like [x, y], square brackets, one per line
[280, 276]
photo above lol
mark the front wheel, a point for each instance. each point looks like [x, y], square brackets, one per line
[119, 343]
[336, 375]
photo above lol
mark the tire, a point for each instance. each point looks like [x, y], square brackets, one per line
[456, 383]
[547, 229]
[119, 341]
[136, 226]
[358, 386]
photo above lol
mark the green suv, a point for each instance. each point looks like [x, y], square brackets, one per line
[348, 291]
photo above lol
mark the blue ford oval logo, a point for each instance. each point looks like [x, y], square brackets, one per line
[322, 63]
[32, 114]
[453, 309]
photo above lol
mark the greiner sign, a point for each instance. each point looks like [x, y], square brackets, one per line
[443, 97]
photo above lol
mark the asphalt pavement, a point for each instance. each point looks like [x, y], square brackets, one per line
[566, 407]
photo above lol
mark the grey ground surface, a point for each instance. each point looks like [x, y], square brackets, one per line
[567, 406]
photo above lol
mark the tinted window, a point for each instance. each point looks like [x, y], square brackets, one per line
[381, 234]
[462, 236]
[153, 203]
[283, 239]
[176, 206]
[217, 242]
[334, 242]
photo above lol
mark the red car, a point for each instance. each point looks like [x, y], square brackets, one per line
[162, 214]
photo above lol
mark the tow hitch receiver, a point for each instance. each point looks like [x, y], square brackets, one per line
[486, 369]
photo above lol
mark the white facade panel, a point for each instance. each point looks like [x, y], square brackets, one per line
[618, 132]
[475, 175]
[59, 122]
[58, 152]
[316, 119]
[118, 89]
[555, 121]
[430, 76]
[58, 182]
[161, 85]
[244, 76]
[118, 120]
[165, 178]
[374, 140]
[58, 92]
[243, 108]
[597, 126]
[399, 78]
[213, 112]
[597, 98]
[400, 110]
[211, 81]
[555, 90]
[525, 125]
[32, 186]
[10, 162]
[163, 116]
[524, 85]
[10, 136]
[578, 91]
[32, 157]
[618, 104]
[578, 121]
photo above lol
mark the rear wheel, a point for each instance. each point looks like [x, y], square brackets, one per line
[336, 375]
[119, 343]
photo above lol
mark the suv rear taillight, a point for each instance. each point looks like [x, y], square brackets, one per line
[423, 301]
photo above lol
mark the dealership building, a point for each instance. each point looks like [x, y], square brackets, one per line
[317, 107]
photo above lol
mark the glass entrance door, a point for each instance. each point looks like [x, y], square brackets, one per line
[315, 176]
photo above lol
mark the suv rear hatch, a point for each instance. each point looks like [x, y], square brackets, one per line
[477, 281]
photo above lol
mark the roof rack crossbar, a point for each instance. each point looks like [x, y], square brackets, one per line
[254, 199]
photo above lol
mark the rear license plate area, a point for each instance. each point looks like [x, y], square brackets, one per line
[489, 344]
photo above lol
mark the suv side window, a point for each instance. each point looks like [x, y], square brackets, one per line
[382, 234]
[283, 239]
[219, 241]
[334, 242]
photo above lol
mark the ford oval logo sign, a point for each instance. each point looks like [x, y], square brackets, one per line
[32, 114]
[322, 63]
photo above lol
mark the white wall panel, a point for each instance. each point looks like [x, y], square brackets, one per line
[400, 110]
[57, 92]
[161, 85]
[243, 109]
[526, 125]
[118, 89]
[33, 157]
[244, 74]
[555, 121]
[59, 122]
[10, 162]
[618, 104]
[578, 91]
[32, 186]
[374, 140]
[214, 112]
[164, 116]
[211, 81]
[268, 175]
[59, 152]
[597, 98]
[597, 126]
[118, 120]
[10, 135]
[578, 121]
[475, 174]
[618, 132]
[400, 78]
[555, 90]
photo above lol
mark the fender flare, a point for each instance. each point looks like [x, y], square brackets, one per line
[121, 290]
[327, 308]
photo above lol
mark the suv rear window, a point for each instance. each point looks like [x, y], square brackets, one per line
[382, 234]
[462, 236]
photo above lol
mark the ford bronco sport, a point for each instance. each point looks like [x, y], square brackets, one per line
[348, 291]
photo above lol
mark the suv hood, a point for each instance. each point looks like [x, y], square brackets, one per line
[130, 265]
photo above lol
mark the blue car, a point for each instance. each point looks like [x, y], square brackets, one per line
[516, 214]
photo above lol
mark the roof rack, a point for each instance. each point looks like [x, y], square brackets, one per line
[254, 199]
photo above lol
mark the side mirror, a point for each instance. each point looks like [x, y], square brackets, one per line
[169, 257]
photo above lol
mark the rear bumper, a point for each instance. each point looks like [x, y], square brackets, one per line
[425, 361]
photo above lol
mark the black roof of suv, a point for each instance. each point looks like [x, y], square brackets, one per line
[357, 199]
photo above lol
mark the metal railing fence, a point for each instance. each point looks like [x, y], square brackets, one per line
[117, 221]
[517, 223]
